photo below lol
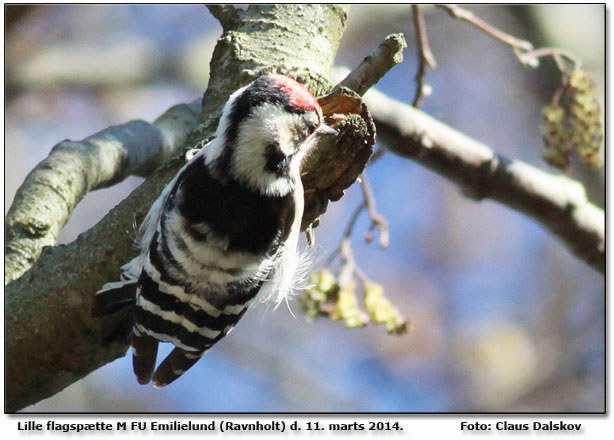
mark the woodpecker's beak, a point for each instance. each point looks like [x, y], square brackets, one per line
[325, 130]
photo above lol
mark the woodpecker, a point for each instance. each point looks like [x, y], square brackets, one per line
[221, 235]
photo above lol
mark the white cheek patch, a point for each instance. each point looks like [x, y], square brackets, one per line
[267, 124]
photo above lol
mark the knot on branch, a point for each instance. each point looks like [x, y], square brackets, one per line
[336, 163]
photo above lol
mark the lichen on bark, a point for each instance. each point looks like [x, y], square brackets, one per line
[51, 339]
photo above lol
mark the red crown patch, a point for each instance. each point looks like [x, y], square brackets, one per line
[297, 93]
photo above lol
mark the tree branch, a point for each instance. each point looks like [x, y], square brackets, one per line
[522, 49]
[375, 66]
[425, 56]
[377, 220]
[227, 15]
[51, 339]
[456, 11]
[52, 190]
[556, 202]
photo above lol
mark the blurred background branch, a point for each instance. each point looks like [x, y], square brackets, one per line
[559, 203]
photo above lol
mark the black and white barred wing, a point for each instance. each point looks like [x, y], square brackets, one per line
[169, 311]
[194, 279]
[160, 300]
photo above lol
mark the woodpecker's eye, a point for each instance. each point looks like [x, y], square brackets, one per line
[311, 121]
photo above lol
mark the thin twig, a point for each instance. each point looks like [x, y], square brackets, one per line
[352, 222]
[377, 155]
[349, 263]
[531, 57]
[425, 56]
[523, 49]
[463, 14]
[347, 233]
[377, 220]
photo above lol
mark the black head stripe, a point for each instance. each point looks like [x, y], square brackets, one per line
[276, 161]
[264, 90]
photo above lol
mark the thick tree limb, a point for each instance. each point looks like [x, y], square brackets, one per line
[53, 188]
[51, 339]
[556, 202]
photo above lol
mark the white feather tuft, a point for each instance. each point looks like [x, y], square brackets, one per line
[290, 266]
[289, 274]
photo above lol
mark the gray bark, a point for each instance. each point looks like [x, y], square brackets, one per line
[51, 340]
[49, 194]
